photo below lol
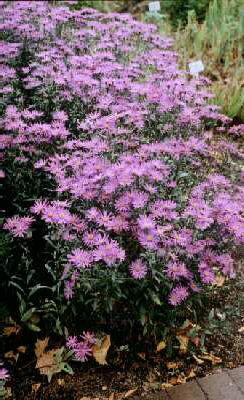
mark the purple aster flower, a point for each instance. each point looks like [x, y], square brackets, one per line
[80, 258]
[93, 214]
[138, 269]
[145, 222]
[164, 209]
[72, 342]
[150, 188]
[226, 263]
[57, 215]
[18, 226]
[123, 203]
[4, 375]
[39, 206]
[60, 116]
[204, 220]
[139, 199]
[164, 230]
[82, 351]
[182, 237]
[206, 273]
[194, 287]
[105, 219]
[176, 270]
[89, 337]
[118, 224]
[109, 252]
[149, 239]
[69, 289]
[93, 238]
[178, 295]
[69, 236]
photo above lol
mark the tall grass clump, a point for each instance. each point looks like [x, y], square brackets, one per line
[178, 10]
[218, 41]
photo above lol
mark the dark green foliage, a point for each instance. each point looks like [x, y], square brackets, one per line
[178, 9]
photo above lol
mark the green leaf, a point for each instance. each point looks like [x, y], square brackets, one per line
[33, 327]
[27, 315]
[156, 299]
[11, 283]
[143, 316]
[38, 287]
[67, 368]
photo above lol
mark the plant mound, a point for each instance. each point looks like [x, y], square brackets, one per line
[117, 197]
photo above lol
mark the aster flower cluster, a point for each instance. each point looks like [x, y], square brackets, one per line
[18, 226]
[82, 347]
[119, 130]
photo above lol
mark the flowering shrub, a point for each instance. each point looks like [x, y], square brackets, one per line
[111, 169]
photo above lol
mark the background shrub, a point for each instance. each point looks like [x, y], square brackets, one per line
[178, 10]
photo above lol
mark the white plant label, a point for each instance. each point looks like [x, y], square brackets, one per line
[196, 67]
[154, 6]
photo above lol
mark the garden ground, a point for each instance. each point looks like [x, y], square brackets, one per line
[142, 374]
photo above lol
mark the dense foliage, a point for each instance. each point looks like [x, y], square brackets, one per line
[117, 213]
[178, 10]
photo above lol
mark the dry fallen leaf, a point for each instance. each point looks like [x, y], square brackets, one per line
[177, 380]
[211, 357]
[231, 364]
[99, 350]
[11, 355]
[41, 346]
[219, 280]
[88, 398]
[48, 362]
[142, 356]
[241, 329]
[11, 330]
[8, 393]
[111, 397]
[191, 374]
[166, 385]
[161, 345]
[14, 355]
[184, 340]
[173, 365]
[173, 381]
[186, 327]
[198, 360]
[129, 393]
[22, 349]
[35, 387]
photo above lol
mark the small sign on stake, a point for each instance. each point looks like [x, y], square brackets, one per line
[154, 6]
[196, 67]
